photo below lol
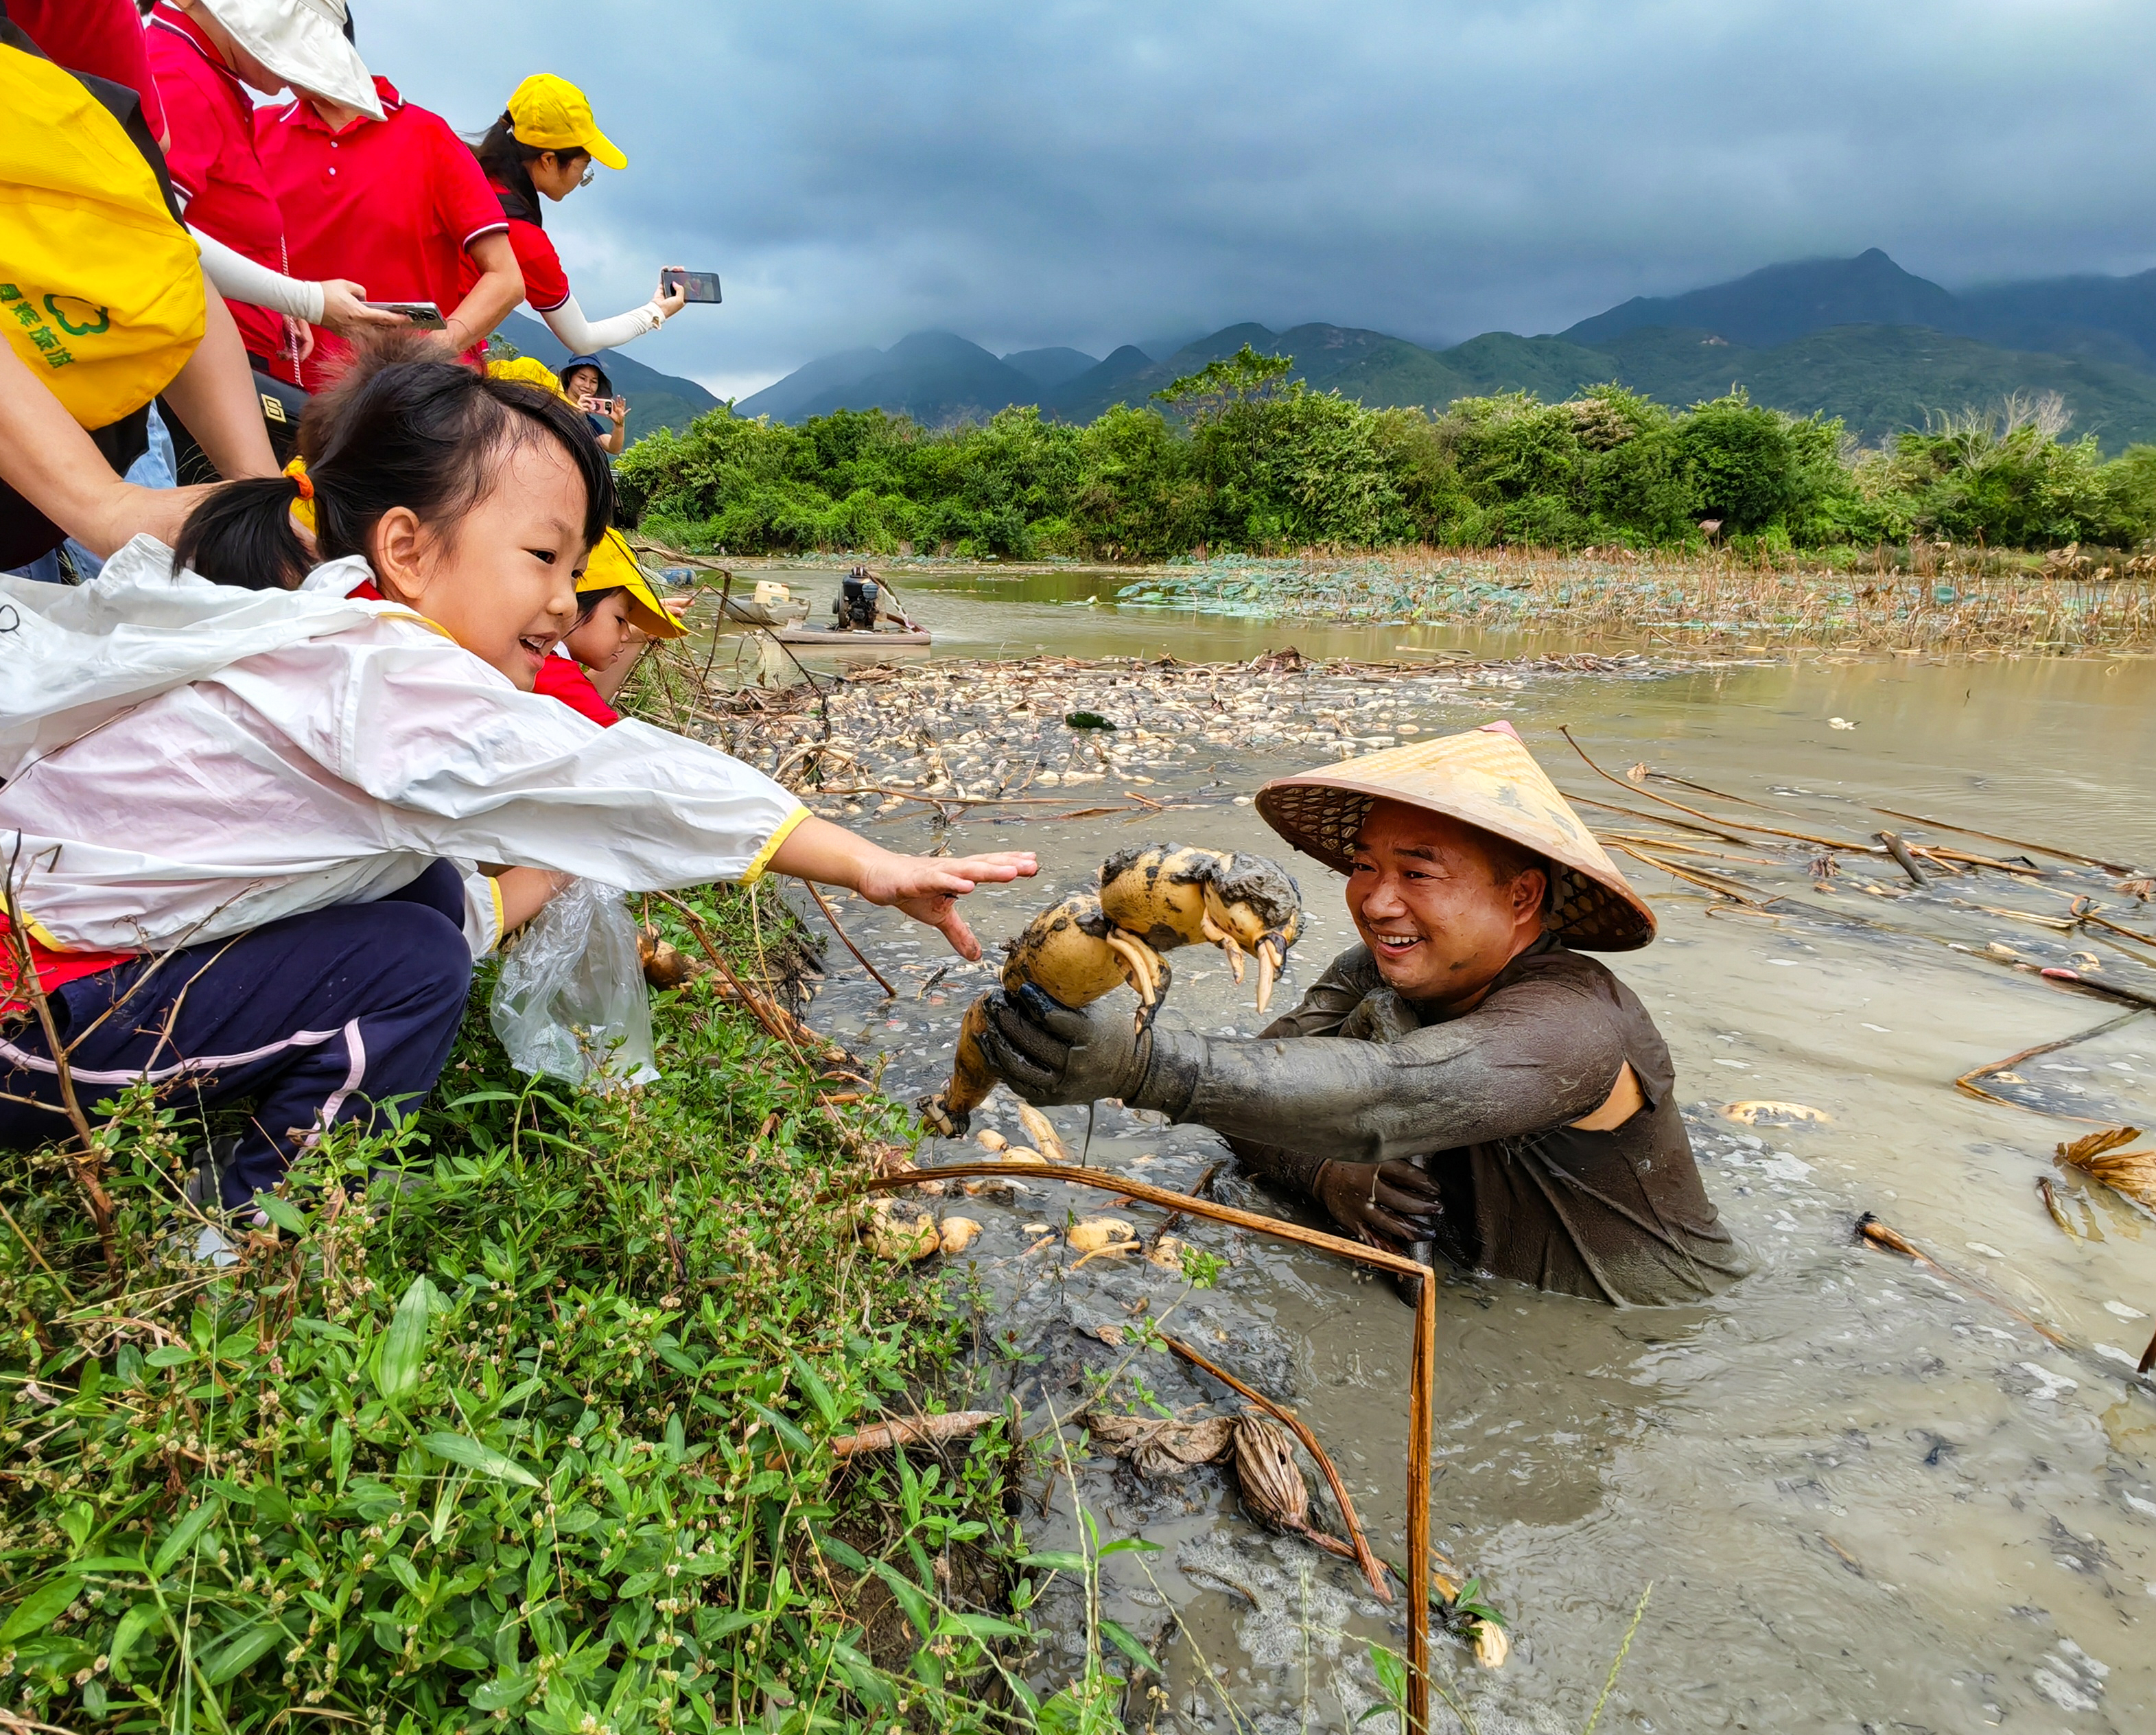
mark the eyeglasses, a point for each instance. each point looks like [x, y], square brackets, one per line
[589, 177]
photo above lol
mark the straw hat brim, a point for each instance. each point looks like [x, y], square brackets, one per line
[1486, 778]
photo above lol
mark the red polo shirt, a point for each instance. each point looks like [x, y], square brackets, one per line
[391, 203]
[102, 37]
[545, 283]
[214, 166]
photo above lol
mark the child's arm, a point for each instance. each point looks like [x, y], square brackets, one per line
[926, 887]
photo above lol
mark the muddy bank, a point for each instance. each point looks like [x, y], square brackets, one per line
[1865, 1493]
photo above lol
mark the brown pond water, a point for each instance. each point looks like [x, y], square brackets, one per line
[1865, 1500]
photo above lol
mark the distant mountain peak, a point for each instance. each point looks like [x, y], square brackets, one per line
[1778, 303]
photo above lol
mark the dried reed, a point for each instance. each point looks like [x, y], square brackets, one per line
[2132, 1172]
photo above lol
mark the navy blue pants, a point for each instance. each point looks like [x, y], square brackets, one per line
[318, 1017]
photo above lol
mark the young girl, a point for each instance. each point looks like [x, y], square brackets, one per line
[616, 610]
[240, 829]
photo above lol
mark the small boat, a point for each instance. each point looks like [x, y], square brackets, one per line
[864, 613]
[851, 639]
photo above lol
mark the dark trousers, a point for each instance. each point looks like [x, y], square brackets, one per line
[321, 1018]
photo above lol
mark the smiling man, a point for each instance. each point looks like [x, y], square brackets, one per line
[1464, 1083]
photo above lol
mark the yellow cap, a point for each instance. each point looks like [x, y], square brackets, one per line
[613, 567]
[552, 115]
[527, 370]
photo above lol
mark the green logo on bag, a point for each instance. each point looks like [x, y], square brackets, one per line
[101, 322]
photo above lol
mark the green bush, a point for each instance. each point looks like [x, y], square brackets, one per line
[1237, 456]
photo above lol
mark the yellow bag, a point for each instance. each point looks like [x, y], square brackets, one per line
[100, 291]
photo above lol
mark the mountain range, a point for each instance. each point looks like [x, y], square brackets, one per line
[1859, 338]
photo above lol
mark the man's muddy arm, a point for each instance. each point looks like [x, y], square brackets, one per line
[1542, 1059]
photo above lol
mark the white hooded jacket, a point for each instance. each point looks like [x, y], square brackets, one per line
[184, 761]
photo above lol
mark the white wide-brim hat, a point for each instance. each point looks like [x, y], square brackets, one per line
[303, 43]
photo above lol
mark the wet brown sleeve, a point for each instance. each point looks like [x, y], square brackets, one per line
[1536, 1054]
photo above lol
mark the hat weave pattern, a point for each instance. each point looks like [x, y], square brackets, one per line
[1486, 778]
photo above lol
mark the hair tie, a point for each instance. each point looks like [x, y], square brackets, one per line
[304, 484]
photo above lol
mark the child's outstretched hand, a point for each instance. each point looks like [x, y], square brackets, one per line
[926, 887]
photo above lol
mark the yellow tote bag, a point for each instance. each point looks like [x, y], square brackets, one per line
[100, 291]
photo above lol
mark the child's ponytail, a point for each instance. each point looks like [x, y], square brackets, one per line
[243, 534]
[402, 426]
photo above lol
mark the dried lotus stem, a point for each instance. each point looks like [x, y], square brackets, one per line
[1372, 1568]
[1422, 1374]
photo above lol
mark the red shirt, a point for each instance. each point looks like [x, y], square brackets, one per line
[390, 203]
[52, 968]
[102, 37]
[563, 678]
[214, 166]
[545, 283]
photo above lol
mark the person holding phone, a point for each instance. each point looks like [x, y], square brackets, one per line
[545, 143]
[388, 196]
[206, 54]
[585, 384]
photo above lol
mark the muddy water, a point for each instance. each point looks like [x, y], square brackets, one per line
[1864, 1498]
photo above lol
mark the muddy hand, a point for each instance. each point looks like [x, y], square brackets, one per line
[1051, 1054]
[1392, 1204]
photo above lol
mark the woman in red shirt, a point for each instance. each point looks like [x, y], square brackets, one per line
[390, 196]
[545, 143]
[205, 53]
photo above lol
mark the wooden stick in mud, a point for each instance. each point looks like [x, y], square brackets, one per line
[1720, 884]
[1967, 1084]
[912, 1430]
[1422, 1376]
[1805, 837]
[767, 1013]
[1899, 851]
[1372, 1569]
[1871, 1229]
[861, 958]
[1992, 837]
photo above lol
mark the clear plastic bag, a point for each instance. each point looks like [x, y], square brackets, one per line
[570, 1002]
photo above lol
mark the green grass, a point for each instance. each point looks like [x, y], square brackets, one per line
[536, 1439]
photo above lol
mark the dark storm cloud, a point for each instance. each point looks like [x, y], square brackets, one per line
[1094, 174]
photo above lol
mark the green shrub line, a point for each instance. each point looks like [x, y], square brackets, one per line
[1238, 457]
[516, 1417]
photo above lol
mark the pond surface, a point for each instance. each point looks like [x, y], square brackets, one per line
[1867, 1498]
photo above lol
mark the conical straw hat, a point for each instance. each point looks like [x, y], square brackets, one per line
[1487, 778]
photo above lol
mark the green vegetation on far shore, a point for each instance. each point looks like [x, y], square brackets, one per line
[1244, 457]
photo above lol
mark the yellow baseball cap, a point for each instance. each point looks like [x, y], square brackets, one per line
[552, 114]
[613, 567]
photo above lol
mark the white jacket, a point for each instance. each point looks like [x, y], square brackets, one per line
[186, 761]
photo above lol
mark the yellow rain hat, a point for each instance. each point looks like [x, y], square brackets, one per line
[551, 114]
[613, 567]
[1488, 779]
[530, 371]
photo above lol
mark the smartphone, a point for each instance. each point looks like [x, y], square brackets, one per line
[424, 314]
[698, 285]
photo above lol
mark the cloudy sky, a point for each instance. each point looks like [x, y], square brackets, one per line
[1093, 172]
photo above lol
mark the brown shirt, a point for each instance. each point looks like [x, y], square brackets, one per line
[1482, 1102]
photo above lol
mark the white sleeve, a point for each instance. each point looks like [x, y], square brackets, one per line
[464, 765]
[584, 337]
[239, 279]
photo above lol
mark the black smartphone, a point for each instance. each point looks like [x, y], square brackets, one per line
[697, 285]
[424, 314]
